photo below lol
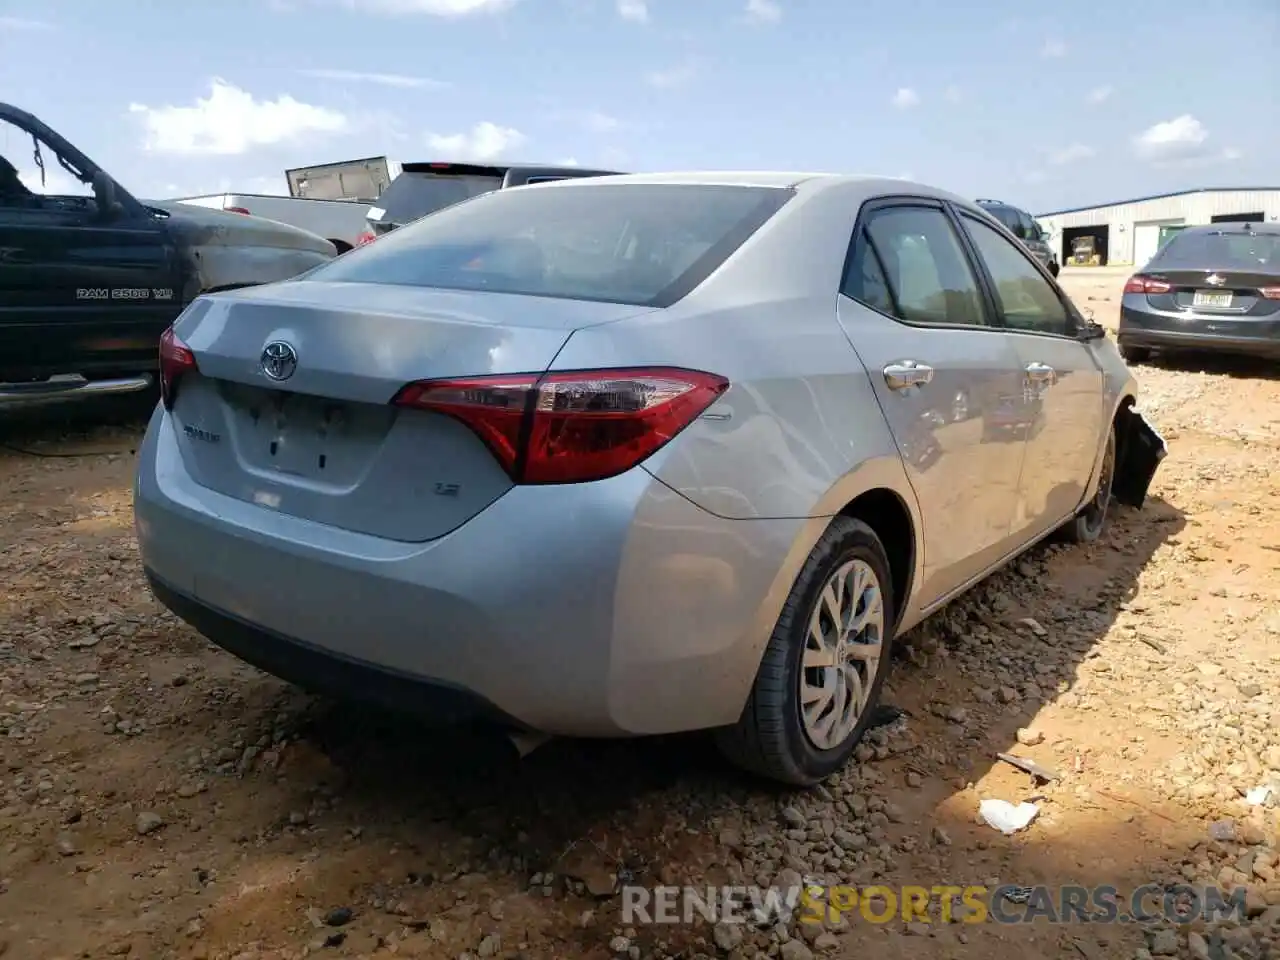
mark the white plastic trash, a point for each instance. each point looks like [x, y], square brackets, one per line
[1005, 817]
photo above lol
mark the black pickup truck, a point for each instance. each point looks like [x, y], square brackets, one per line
[90, 279]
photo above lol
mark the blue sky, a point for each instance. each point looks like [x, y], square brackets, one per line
[993, 98]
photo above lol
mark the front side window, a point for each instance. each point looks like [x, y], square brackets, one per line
[1025, 298]
[910, 263]
[642, 244]
[34, 176]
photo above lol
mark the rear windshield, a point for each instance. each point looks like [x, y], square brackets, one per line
[413, 195]
[1217, 250]
[641, 244]
[1008, 216]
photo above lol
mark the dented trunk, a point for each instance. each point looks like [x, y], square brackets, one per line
[1140, 449]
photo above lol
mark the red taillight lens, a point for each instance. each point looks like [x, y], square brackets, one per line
[1140, 284]
[1271, 293]
[366, 237]
[570, 427]
[176, 359]
[239, 210]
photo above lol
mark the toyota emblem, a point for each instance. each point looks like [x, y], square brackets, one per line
[279, 360]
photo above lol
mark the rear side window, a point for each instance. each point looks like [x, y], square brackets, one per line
[642, 244]
[1219, 251]
[412, 194]
[908, 262]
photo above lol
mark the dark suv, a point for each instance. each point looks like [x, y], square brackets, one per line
[423, 188]
[1023, 226]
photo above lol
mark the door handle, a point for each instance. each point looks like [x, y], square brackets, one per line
[1041, 372]
[907, 373]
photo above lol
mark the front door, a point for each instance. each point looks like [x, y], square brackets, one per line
[1063, 383]
[915, 313]
[80, 291]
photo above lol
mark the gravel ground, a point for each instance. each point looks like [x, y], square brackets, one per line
[158, 799]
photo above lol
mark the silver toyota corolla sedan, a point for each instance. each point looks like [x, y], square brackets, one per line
[632, 455]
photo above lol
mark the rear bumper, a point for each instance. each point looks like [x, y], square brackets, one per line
[1144, 328]
[607, 609]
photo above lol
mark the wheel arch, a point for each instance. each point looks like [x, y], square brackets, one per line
[1128, 399]
[886, 512]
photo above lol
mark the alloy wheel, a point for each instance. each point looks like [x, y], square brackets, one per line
[842, 654]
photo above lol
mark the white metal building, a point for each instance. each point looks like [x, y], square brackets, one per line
[1130, 232]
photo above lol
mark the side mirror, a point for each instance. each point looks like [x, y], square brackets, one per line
[104, 194]
[1091, 330]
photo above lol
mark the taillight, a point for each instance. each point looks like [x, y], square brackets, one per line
[570, 427]
[1271, 293]
[176, 359]
[239, 210]
[366, 237]
[1140, 284]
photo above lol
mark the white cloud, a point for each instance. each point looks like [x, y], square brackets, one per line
[230, 121]
[485, 141]
[905, 98]
[763, 11]
[568, 162]
[383, 79]
[22, 25]
[452, 9]
[636, 11]
[1182, 138]
[673, 77]
[953, 94]
[1053, 49]
[1100, 94]
[1070, 154]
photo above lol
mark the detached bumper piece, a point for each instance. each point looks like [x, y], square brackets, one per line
[1140, 451]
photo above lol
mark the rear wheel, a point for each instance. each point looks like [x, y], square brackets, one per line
[820, 678]
[1135, 354]
[1088, 524]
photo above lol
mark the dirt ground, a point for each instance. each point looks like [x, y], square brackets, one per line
[160, 800]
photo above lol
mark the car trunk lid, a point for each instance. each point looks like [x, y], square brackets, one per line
[323, 442]
[1230, 292]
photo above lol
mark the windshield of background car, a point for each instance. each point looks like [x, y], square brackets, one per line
[646, 244]
[412, 194]
[1217, 251]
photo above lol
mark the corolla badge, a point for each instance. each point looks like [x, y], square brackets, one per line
[279, 360]
[1214, 280]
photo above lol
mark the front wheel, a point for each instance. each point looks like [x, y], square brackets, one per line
[1088, 524]
[820, 678]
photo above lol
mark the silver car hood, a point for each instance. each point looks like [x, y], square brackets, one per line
[205, 226]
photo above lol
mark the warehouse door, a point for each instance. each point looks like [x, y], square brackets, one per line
[1149, 237]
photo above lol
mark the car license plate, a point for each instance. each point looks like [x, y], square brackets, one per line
[1210, 298]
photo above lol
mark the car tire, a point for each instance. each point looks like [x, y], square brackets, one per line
[1134, 354]
[772, 738]
[1054, 269]
[1088, 524]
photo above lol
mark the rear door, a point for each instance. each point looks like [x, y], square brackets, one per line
[1061, 379]
[943, 373]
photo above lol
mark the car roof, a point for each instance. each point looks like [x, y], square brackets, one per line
[1266, 229]
[745, 178]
